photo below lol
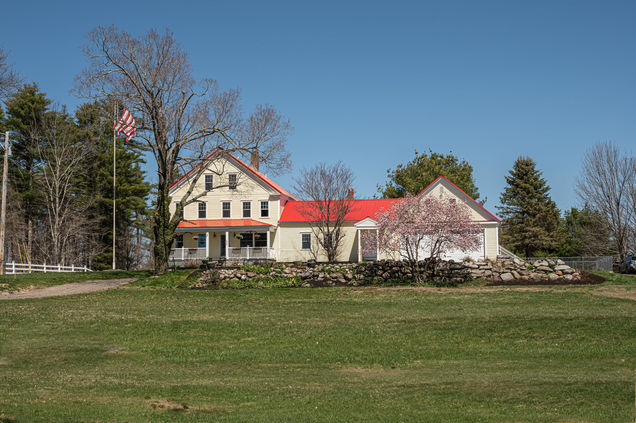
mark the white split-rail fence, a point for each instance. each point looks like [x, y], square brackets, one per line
[14, 268]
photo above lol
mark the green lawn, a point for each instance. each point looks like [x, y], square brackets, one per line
[328, 354]
[41, 280]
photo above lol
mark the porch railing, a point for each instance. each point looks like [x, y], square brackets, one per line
[251, 253]
[187, 254]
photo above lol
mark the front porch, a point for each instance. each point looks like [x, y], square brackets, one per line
[241, 253]
[193, 243]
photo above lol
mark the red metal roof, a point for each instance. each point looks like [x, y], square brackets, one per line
[360, 209]
[250, 168]
[219, 223]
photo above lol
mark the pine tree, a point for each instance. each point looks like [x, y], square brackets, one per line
[132, 191]
[531, 220]
[26, 110]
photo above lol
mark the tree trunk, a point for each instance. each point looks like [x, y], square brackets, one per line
[163, 230]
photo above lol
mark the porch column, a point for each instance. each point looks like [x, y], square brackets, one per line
[207, 244]
[377, 245]
[359, 246]
[227, 245]
[279, 234]
[267, 249]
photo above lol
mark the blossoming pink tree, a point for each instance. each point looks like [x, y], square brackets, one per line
[424, 228]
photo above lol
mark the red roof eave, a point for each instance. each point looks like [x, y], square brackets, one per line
[220, 223]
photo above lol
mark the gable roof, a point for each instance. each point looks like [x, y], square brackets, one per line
[441, 179]
[249, 168]
[360, 209]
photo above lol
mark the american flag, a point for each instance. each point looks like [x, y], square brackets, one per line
[126, 124]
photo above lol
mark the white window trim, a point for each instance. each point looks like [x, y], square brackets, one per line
[229, 186]
[205, 184]
[243, 209]
[230, 203]
[261, 207]
[301, 241]
[199, 210]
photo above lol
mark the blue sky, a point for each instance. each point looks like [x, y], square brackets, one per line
[371, 82]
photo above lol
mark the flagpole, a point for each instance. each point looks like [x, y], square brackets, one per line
[114, 177]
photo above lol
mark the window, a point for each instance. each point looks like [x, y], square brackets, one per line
[231, 180]
[178, 241]
[201, 240]
[226, 210]
[247, 209]
[264, 208]
[246, 240]
[202, 208]
[176, 205]
[209, 182]
[260, 239]
[305, 241]
[327, 240]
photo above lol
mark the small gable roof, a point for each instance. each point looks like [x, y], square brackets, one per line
[458, 191]
[248, 168]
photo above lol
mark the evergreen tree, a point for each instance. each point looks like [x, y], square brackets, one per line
[132, 191]
[26, 110]
[531, 221]
[416, 175]
[586, 234]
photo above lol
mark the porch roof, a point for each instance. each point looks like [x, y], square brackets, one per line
[219, 224]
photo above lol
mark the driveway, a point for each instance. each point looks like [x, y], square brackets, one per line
[69, 289]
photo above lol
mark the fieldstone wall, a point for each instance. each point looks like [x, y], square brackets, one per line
[331, 274]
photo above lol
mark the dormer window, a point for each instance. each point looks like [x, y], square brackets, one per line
[231, 180]
[209, 182]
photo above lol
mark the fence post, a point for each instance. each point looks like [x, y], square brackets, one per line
[13, 267]
[72, 268]
[59, 267]
[44, 267]
[85, 268]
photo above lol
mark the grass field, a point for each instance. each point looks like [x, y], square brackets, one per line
[325, 354]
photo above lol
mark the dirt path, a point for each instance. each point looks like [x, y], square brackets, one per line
[68, 289]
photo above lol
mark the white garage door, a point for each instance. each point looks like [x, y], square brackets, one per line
[457, 255]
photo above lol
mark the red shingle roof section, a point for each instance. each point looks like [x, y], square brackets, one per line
[360, 209]
[219, 223]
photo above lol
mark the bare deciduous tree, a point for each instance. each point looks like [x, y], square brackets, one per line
[326, 190]
[606, 183]
[9, 80]
[61, 168]
[179, 119]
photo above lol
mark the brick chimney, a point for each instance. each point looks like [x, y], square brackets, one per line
[254, 160]
[350, 194]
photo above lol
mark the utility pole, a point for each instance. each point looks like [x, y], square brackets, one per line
[114, 180]
[3, 208]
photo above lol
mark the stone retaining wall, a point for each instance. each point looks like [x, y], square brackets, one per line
[329, 274]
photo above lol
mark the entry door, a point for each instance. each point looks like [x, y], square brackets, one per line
[222, 245]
